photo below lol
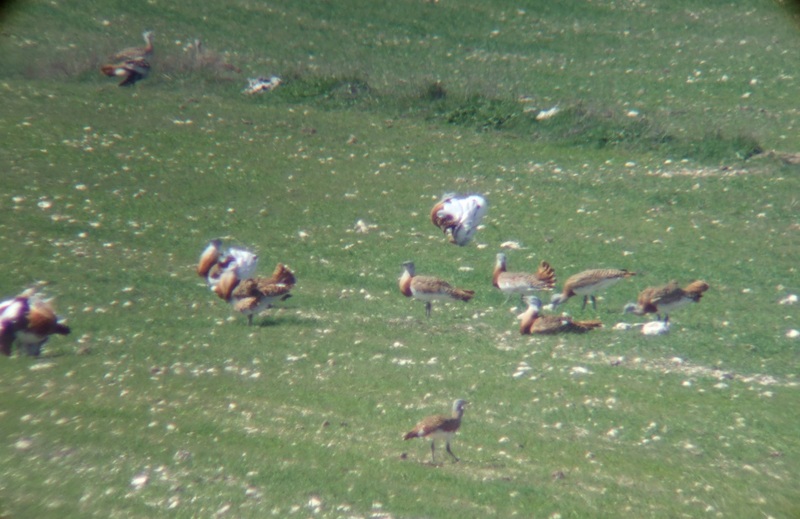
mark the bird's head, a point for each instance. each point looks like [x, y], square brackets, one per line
[533, 302]
[408, 266]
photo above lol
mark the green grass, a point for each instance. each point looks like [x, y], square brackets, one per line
[670, 155]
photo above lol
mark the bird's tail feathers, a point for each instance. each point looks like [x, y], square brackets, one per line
[463, 295]
[547, 274]
[696, 289]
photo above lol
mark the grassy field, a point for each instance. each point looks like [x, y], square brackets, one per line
[673, 152]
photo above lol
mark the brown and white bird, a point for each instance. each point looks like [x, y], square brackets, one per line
[533, 322]
[521, 282]
[588, 283]
[131, 70]
[251, 296]
[666, 298]
[459, 216]
[30, 321]
[132, 53]
[214, 262]
[439, 427]
[429, 288]
[131, 64]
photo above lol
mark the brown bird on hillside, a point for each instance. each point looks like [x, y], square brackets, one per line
[521, 282]
[130, 71]
[533, 322]
[253, 295]
[131, 64]
[439, 427]
[30, 321]
[429, 288]
[667, 298]
[588, 283]
[132, 53]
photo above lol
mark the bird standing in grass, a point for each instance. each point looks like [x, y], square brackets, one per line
[533, 322]
[429, 288]
[521, 282]
[666, 298]
[131, 64]
[588, 283]
[30, 321]
[439, 427]
[251, 296]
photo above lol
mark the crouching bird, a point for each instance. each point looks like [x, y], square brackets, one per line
[253, 295]
[30, 321]
[429, 288]
[666, 298]
[459, 216]
[534, 322]
[439, 427]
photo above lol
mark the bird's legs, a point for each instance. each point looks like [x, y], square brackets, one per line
[250, 320]
[433, 449]
[427, 308]
[585, 299]
[451, 452]
[594, 302]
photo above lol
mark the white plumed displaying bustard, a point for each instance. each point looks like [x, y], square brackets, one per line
[230, 274]
[253, 295]
[522, 283]
[666, 298]
[439, 427]
[429, 288]
[29, 321]
[459, 216]
[588, 283]
[214, 262]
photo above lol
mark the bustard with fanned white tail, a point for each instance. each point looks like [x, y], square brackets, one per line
[459, 216]
[29, 321]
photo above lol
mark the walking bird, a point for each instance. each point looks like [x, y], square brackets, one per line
[666, 298]
[521, 282]
[459, 216]
[429, 288]
[533, 322]
[439, 427]
[30, 321]
[588, 283]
